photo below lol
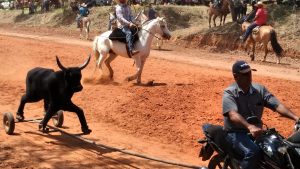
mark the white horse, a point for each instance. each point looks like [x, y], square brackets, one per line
[106, 50]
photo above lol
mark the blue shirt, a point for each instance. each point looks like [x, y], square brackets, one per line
[246, 104]
[124, 15]
[83, 11]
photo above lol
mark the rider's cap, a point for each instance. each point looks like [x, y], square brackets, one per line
[241, 67]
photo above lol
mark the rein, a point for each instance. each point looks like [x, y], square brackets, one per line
[147, 22]
[151, 33]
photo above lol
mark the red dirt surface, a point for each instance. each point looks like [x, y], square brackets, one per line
[162, 120]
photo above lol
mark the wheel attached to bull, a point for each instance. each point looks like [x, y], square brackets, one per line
[58, 119]
[9, 123]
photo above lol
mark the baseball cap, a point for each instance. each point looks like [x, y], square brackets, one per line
[241, 67]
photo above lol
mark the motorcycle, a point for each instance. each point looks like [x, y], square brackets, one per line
[278, 152]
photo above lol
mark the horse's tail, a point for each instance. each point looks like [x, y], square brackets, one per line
[95, 48]
[96, 52]
[275, 45]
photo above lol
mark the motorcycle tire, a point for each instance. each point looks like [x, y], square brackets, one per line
[217, 162]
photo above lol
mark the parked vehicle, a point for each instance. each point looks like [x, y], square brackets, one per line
[278, 152]
[6, 5]
[102, 2]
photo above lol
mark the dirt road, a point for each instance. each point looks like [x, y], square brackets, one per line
[162, 121]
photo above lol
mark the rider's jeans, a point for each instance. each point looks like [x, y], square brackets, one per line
[128, 33]
[249, 30]
[244, 147]
[78, 18]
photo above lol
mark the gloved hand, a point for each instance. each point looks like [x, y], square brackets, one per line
[132, 24]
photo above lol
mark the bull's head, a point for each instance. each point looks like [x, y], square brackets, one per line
[72, 75]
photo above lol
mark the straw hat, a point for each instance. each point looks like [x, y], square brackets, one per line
[83, 5]
[259, 3]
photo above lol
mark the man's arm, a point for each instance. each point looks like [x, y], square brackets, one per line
[272, 103]
[236, 118]
[282, 110]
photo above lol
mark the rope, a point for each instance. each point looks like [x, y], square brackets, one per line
[127, 151]
[135, 34]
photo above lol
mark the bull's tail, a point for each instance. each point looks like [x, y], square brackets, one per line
[275, 45]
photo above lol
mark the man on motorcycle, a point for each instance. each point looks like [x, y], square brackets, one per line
[242, 102]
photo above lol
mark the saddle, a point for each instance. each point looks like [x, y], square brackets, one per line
[118, 35]
[256, 30]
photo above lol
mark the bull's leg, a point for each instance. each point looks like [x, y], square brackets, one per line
[25, 99]
[50, 112]
[46, 105]
[73, 108]
[221, 17]
[110, 58]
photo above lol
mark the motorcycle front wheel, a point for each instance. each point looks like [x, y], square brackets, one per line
[217, 162]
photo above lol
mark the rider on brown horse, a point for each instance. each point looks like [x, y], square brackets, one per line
[259, 20]
[83, 12]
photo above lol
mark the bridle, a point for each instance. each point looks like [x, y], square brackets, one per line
[161, 27]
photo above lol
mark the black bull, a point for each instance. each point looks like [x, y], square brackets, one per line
[57, 89]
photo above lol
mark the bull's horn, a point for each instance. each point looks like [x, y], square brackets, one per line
[85, 63]
[59, 64]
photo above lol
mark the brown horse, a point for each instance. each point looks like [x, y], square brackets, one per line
[222, 12]
[263, 35]
[85, 23]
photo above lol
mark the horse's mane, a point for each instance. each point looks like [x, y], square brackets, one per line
[146, 22]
